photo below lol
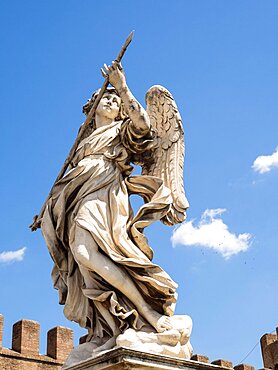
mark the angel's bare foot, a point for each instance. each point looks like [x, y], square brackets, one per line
[164, 323]
[160, 322]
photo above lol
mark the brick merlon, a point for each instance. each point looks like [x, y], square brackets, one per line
[1, 329]
[244, 367]
[59, 343]
[26, 337]
[267, 339]
[200, 358]
[223, 363]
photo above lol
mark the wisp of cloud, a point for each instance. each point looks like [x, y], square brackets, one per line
[264, 163]
[12, 256]
[211, 232]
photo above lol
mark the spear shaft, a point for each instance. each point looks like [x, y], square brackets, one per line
[37, 219]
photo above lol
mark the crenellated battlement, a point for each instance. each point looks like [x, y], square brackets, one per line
[222, 364]
[24, 353]
[269, 347]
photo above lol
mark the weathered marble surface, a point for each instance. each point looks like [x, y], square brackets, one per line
[174, 342]
[127, 359]
[103, 265]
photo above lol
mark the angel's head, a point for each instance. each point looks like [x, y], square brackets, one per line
[110, 104]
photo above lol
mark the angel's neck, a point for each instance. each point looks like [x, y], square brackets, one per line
[101, 121]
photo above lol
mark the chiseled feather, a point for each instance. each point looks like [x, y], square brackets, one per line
[169, 155]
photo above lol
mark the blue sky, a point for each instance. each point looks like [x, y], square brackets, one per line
[219, 59]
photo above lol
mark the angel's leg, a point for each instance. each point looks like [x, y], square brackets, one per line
[87, 255]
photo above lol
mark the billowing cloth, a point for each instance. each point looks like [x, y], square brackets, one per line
[94, 194]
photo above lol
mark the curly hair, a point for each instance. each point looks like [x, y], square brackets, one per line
[87, 107]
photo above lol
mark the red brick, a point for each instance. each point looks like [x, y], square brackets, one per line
[268, 339]
[1, 329]
[200, 358]
[269, 348]
[223, 363]
[59, 343]
[26, 337]
[244, 367]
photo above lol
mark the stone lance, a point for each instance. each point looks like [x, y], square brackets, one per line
[37, 218]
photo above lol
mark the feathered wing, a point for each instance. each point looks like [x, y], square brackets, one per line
[168, 158]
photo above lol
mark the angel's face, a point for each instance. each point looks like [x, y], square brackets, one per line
[109, 106]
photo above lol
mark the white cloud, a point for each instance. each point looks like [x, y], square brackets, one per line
[12, 256]
[211, 232]
[264, 163]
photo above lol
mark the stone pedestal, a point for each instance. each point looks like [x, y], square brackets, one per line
[127, 359]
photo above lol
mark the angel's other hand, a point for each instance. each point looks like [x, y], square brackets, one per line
[115, 75]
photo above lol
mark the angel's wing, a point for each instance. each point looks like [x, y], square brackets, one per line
[168, 157]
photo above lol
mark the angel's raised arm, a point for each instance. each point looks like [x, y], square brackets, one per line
[134, 109]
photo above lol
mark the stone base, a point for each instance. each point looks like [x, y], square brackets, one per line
[127, 359]
[173, 342]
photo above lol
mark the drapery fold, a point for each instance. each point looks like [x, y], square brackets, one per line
[94, 195]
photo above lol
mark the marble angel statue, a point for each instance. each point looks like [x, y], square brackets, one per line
[103, 265]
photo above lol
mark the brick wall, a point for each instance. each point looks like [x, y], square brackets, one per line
[24, 353]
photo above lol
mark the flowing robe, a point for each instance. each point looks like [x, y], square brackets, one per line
[94, 194]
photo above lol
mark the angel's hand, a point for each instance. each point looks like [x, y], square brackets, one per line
[115, 75]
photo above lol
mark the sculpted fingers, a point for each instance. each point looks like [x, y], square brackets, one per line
[103, 73]
[114, 74]
[107, 68]
[106, 71]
